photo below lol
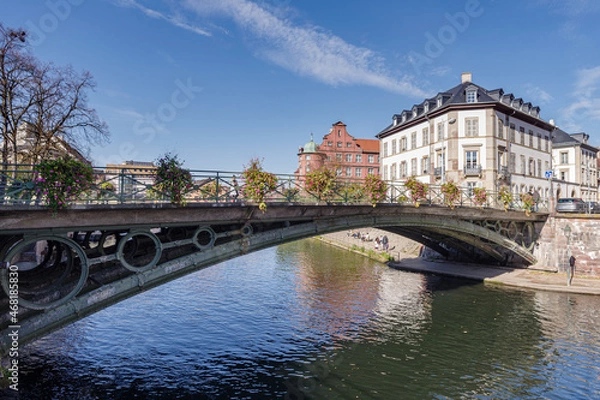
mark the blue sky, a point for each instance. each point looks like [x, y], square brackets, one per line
[220, 82]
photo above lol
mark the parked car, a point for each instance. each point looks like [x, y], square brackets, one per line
[593, 207]
[571, 205]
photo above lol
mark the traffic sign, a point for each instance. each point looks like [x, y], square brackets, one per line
[548, 174]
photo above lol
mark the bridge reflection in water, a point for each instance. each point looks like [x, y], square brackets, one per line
[81, 260]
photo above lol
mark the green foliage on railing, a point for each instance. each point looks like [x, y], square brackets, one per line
[322, 183]
[62, 181]
[258, 183]
[418, 190]
[451, 194]
[375, 189]
[172, 179]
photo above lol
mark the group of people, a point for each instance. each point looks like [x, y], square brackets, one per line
[381, 242]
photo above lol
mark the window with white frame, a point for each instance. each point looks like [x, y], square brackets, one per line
[371, 171]
[348, 172]
[425, 165]
[523, 165]
[308, 157]
[564, 157]
[471, 96]
[512, 133]
[413, 166]
[471, 158]
[413, 140]
[403, 143]
[385, 172]
[393, 171]
[539, 168]
[546, 143]
[472, 127]
[394, 146]
[358, 172]
[330, 143]
[530, 138]
[348, 157]
[348, 144]
[339, 144]
[440, 132]
[522, 134]
[338, 157]
[359, 158]
[539, 141]
[425, 134]
[470, 188]
[512, 166]
[531, 167]
[403, 169]
[385, 149]
[371, 158]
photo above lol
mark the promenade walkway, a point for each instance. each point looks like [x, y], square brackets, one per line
[406, 252]
[531, 279]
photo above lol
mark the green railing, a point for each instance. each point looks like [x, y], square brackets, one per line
[119, 186]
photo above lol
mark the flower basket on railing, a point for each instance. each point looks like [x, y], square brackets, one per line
[418, 190]
[451, 194]
[172, 180]
[258, 183]
[505, 197]
[352, 192]
[62, 181]
[479, 197]
[375, 189]
[527, 200]
[321, 183]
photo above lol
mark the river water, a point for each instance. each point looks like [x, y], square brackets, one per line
[309, 321]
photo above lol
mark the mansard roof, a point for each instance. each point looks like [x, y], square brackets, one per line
[457, 97]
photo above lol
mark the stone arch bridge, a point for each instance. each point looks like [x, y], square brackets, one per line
[59, 268]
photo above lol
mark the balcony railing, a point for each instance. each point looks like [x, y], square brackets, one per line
[470, 170]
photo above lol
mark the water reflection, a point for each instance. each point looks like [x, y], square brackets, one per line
[306, 320]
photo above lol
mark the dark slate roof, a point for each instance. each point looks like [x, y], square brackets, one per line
[457, 96]
[562, 138]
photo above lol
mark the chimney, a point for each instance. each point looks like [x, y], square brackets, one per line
[466, 77]
[552, 122]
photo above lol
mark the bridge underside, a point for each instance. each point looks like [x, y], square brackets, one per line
[68, 272]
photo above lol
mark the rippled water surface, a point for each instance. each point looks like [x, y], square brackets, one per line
[309, 321]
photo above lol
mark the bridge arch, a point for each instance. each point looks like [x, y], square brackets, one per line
[175, 242]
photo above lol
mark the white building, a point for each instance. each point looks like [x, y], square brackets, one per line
[575, 165]
[472, 136]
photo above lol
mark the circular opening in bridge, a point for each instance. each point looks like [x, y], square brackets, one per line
[107, 243]
[139, 251]
[204, 238]
[247, 230]
[50, 271]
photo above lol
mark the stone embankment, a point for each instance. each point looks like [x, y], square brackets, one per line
[407, 255]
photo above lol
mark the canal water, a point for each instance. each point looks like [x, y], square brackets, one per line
[309, 321]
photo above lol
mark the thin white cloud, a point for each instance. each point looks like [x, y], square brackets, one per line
[174, 20]
[586, 107]
[306, 51]
[538, 94]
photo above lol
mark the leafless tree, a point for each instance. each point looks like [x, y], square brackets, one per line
[45, 104]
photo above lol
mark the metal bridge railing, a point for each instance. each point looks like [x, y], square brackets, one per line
[124, 186]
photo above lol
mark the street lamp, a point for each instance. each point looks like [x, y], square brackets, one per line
[567, 231]
[450, 122]
[589, 194]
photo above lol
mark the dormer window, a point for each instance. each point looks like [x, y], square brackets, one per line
[426, 107]
[414, 112]
[472, 96]
[403, 117]
[439, 101]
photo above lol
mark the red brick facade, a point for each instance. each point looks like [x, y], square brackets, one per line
[351, 158]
